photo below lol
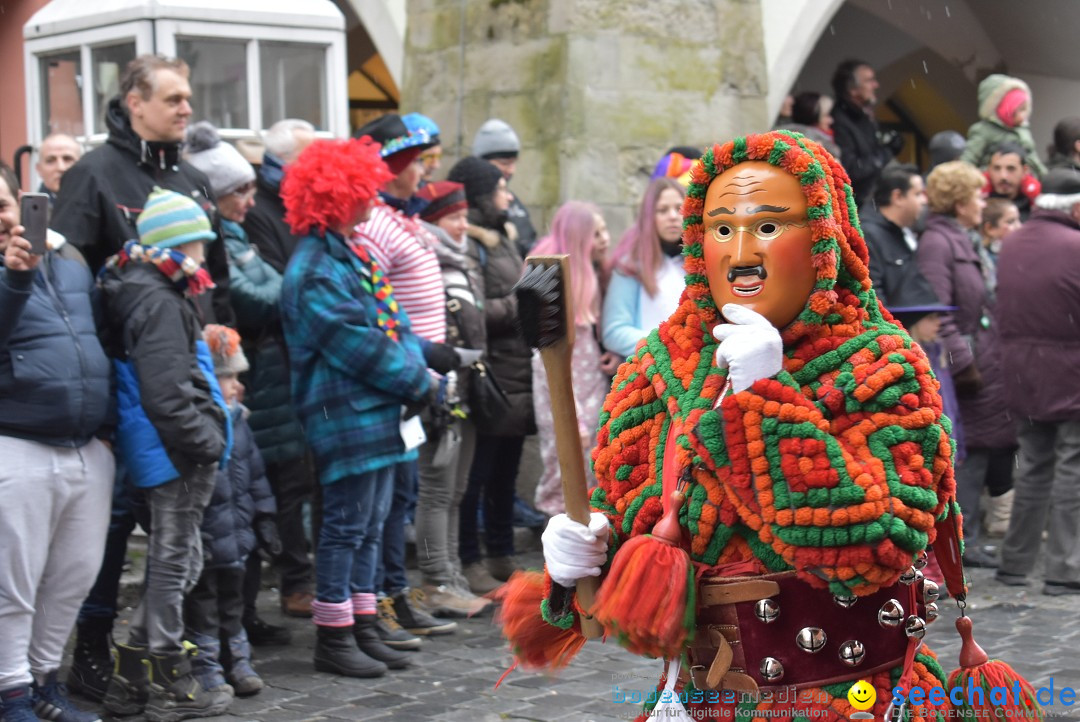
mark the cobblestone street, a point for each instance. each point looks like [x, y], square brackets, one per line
[454, 676]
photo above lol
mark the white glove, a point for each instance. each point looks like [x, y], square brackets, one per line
[749, 346]
[573, 550]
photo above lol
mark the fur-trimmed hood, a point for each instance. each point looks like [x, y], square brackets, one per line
[992, 89]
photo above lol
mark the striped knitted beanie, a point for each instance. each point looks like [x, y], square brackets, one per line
[170, 219]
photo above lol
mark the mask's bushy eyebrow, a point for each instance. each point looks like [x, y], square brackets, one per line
[769, 209]
[718, 211]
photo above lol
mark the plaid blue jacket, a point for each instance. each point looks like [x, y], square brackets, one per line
[349, 379]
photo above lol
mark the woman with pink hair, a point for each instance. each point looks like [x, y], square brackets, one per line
[578, 230]
[647, 269]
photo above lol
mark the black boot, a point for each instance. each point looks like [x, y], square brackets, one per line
[261, 633]
[129, 686]
[175, 693]
[336, 652]
[91, 664]
[371, 644]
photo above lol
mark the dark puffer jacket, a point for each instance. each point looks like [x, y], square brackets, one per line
[54, 376]
[256, 292]
[156, 330]
[508, 355]
[104, 192]
[241, 494]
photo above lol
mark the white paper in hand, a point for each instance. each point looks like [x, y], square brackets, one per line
[412, 431]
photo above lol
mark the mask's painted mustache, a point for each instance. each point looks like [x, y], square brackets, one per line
[757, 270]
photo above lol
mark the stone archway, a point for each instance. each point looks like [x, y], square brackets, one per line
[792, 29]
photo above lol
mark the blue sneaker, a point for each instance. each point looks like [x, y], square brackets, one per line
[526, 516]
[16, 705]
[51, 703]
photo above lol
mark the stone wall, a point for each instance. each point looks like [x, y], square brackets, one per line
[597, 90]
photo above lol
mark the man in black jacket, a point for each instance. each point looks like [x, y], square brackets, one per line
[856, 132]
[899, 200]
[99, 200]
[104, 192]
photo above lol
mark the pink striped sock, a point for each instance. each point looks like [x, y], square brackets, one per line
[332, 614]
[363, 603]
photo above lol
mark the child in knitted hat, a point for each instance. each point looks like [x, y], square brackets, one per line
[1004, 111]
[173, 431]
[239, 519]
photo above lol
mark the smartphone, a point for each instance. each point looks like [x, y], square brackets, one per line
[34, 214]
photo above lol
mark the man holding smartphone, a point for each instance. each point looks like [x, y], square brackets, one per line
[57, 476]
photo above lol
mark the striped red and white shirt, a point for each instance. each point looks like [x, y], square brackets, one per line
[405, 251]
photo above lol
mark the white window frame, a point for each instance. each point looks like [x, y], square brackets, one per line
[333, 42]
[138, 31]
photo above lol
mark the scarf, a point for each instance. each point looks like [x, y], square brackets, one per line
[188, 277]
[409, 207]
[272, 171]
[388, 315]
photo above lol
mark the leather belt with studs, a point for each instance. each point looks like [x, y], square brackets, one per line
[776, 632]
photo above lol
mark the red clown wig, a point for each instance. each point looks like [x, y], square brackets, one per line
[329, 182]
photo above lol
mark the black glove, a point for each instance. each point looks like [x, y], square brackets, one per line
[431, 398]
[267, 533]
[967, 382]
[441, 358]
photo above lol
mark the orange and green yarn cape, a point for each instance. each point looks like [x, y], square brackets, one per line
[837, 467]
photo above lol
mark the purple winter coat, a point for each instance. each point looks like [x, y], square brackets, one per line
[1038, 312]
[947, 257]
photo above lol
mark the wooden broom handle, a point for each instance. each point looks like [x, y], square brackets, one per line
[557, 362]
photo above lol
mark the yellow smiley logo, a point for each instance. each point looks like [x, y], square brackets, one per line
[862, 695]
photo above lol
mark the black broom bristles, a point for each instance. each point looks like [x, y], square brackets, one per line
[541, 295]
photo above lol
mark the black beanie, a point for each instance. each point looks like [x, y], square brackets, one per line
[479, 177]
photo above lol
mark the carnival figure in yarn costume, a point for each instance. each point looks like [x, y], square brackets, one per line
[804, 429]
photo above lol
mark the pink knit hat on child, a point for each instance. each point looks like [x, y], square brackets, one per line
[1006, 109]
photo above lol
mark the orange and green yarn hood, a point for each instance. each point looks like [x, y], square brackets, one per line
[838, 466]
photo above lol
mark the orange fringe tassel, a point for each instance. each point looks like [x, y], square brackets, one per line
[647, 600]
[535, 643]
[978, 674]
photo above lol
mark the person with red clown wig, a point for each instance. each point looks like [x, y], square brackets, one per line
[354, 364]
[773, 463]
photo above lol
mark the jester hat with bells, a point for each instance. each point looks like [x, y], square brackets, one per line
[839, 467]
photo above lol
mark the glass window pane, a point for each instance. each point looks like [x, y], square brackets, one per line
[293, 82]
[109, 63]
[218, 79]
[61, 94]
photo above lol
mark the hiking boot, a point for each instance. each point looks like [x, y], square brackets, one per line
[16, 705]
[369, 642]
[264, 634]
[336, 652]
[242, 675]
[479, 579]
[51, 702]
[501, 568]
[415, 620]
[979, 558]
[1010, 580]
[176, 694]
[297, 604]
[91, 663]
[1060, 589]
[390, 630]
[446, 601]
[129, 686]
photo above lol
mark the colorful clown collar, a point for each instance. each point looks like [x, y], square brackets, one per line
[388, 315]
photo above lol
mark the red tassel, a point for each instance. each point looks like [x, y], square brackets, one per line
[647, 600]
[535, 643]
[978, 674]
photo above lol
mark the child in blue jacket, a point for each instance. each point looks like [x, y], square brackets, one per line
[239, 518]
